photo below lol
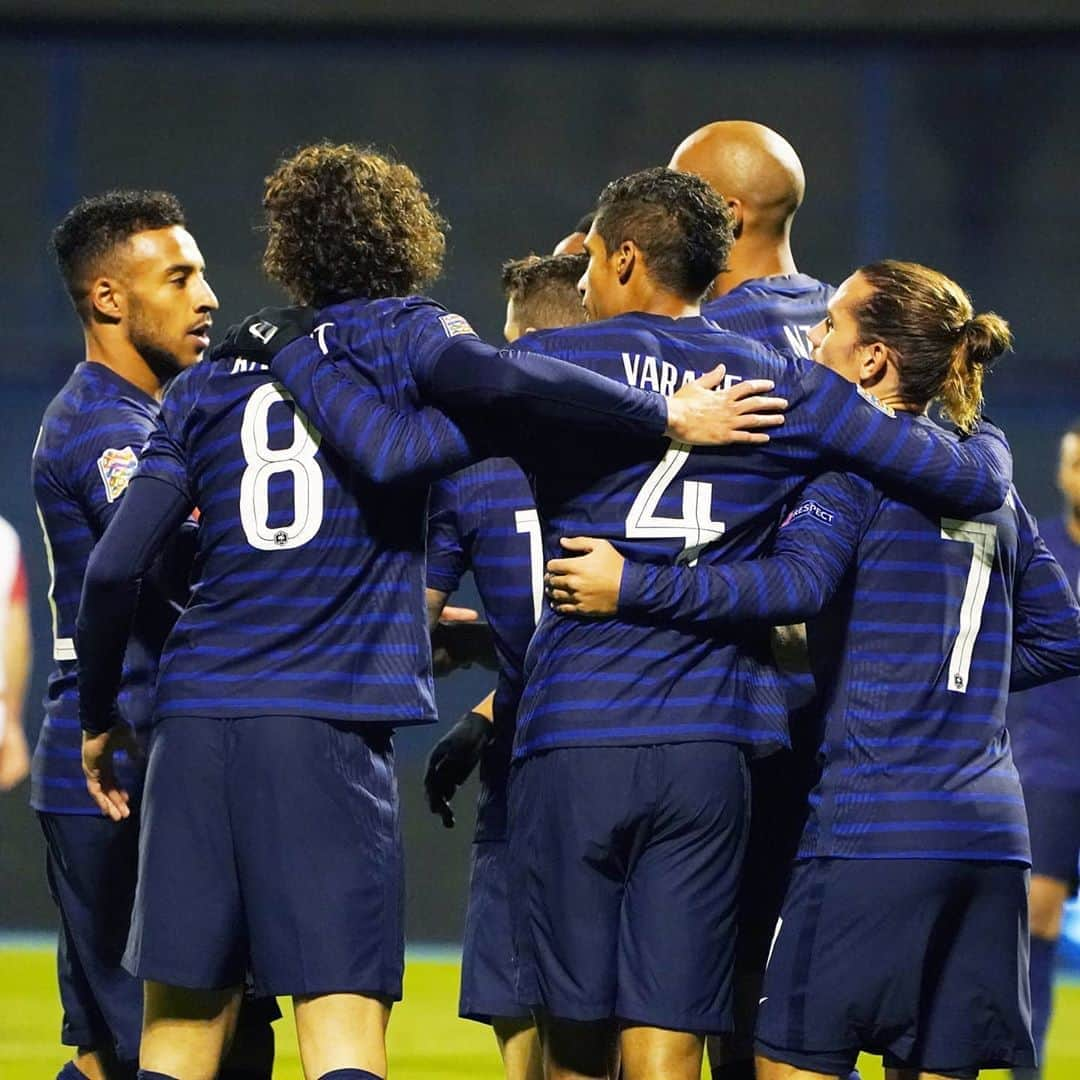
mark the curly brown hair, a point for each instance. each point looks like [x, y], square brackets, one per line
[346, 221]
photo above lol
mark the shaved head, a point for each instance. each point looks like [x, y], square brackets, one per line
[748, 162]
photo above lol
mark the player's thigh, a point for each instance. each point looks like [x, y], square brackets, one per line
[488, 983]
[188, 927]
[91, 864]
[314, 806]
[975, 1001]
[575, 819]
[678, 931]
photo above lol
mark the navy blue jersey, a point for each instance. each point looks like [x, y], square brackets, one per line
[660, 502]
[777, 310]
[1045, 721]
[484, 519]
[308, 581]
[87, 451]
[929, 620]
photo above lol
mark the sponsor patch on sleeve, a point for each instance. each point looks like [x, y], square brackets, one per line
[888, 410]
[456, 325]
[820, 513]
[117, 467]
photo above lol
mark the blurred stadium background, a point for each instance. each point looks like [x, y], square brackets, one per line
[945, 133]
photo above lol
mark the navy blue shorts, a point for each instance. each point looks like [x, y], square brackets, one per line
[1054, 825]
[91, 864]
[272, 844]
[922, 961]
[626, 863]
[488, 984]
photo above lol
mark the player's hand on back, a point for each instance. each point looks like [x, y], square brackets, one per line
[700, 414]
[98, 760]
[587, 584]
[263, 335]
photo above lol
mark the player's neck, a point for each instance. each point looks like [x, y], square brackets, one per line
[755, 257]
[1072, 523]
[119, 355]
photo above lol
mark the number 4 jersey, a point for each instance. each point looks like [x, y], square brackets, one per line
[302, 603]
[594, 682]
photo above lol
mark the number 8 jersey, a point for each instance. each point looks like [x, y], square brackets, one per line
[302, 602]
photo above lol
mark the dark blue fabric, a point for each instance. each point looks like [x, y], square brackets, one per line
[1042, 720]
[930, 618]
[777, 311]
[270, 844]
[1054, 824]
[91, 864]
[488, 985]
[349, 1074]
[484, 519]
[625, 864]
[594, 682]
[934, 996]
[91, 435]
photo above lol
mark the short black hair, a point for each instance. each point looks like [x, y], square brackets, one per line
[97, 224]
[585, 222]
[544, 289]
[684, 229]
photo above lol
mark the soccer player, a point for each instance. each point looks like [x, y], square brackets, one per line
[270, 839]
[1047, 752]
[915, 852]
[137, 280]
[484, 519]
[760, 293]
[627, 803]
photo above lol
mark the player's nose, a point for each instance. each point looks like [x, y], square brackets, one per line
[208, 300]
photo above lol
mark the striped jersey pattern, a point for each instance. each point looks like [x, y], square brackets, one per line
[1043, 720]
[619, 681]
[85, 455]
[927, 621]
[484, 519]
[309, 580]
[777, 310]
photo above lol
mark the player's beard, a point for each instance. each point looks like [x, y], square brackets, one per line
[146, 335]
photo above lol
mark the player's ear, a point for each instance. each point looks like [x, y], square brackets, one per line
[736, 208]
[106, 300]
[875, 363]
[627, 260]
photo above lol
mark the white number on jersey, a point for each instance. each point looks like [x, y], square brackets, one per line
[528, 521]
[982, 536]
[695, 528]
[298, 459]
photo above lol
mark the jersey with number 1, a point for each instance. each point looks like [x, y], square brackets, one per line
[483, 519]
[308, 589]
[611, 681]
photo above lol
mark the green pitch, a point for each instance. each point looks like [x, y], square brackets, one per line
[427, 1040]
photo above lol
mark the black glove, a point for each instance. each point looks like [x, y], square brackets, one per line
[451, 761]
[263, 335]
[462, 644]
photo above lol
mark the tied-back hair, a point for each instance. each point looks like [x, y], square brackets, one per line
[942, 348]
[544, 289]
[346, 221]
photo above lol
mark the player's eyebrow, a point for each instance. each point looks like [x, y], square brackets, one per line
[180, 268]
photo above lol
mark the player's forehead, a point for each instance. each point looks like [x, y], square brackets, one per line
[1070, 448]
[851, 292]
[158, 250]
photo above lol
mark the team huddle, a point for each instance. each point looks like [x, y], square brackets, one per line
[755, 619]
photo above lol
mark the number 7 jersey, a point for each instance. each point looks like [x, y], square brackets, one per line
[308, 583]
